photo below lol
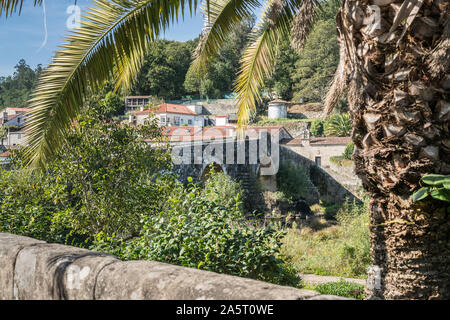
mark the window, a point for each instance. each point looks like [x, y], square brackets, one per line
[177, 121]
[189, 122]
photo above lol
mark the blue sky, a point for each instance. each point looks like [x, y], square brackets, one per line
[21, 37]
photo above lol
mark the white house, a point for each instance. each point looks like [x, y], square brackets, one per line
[14, 119]
[14, 116]
[172, 115]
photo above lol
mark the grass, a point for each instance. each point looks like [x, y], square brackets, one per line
[263, 120]
[340, 288]
[341, 161]
[337, 250]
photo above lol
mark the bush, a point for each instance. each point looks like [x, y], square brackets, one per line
[101, 180]
[348, 152]
[342, 288]
[28, 205]
[224, 190]
[204, 234]
[338, 125]
[317, 128]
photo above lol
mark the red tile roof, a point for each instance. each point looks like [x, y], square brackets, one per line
[5, 154]
[19, 109]
[170, 108]
[216, 132]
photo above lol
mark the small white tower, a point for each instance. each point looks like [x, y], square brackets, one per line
[277, 109]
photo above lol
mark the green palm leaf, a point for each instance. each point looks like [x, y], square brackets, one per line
[10, 6]
[112, 42]
[222, 16]
[258, 59]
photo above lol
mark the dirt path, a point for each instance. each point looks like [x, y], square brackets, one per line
[314, 279]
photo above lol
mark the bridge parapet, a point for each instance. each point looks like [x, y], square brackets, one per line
[34, 270]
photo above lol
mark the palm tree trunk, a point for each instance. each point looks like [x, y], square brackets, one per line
[399, 100]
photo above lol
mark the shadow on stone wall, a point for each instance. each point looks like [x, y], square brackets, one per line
[328, 189]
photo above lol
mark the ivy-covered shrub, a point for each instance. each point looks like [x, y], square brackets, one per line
[208, 235]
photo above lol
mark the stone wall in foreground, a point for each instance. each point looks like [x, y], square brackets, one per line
[32, 270]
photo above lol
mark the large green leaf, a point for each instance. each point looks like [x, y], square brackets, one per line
[441, 194]
[435, 179]
[420, 194]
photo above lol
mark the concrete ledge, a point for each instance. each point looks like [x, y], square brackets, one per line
[34, 270]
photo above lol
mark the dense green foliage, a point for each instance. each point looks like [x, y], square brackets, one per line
[198, 232]
[348, 152]
[166, 74]
[317, 128]
[106, 189]
[338, 125]
[223, 68]
[101, 180]
[224, 190]
[317, 62]
[282, 79]
[164, 69]
[306, 74]
[15, 90]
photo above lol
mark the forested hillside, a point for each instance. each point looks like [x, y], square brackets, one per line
[15, 90]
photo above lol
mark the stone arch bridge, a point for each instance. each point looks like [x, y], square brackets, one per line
[253, 161]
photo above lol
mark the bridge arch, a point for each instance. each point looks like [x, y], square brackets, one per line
[207, 167]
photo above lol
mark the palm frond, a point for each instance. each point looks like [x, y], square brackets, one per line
[111, 42]
[303, 23]
[258, 59]
[10, 6]
[340, 79]
[222, 16]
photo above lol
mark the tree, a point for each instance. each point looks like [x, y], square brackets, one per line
[399, 136]
[317, 62]
[223, 68]
[15, 90]
[164, 69]
[281, 81]
[396, 69]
